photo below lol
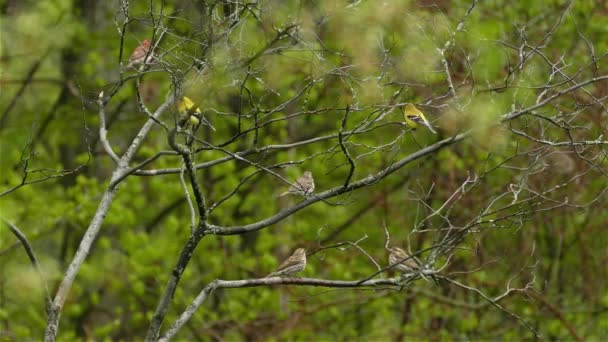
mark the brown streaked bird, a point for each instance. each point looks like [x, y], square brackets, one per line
[304, 186]
[139, 54]
[398, 256]
[294, 264]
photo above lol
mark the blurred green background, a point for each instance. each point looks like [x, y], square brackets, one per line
[294, 66]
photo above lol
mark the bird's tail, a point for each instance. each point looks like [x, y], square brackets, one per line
[207, 123]
[428, 125]
[283, 194]
[127, 66]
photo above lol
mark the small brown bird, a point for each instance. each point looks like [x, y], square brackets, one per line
[304, 186]
[139, 54]
[398, 256]
[294, 264]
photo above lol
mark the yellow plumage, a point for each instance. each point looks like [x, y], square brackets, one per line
[190, 114]
[194, 121]
[187, 106]
[414, 117]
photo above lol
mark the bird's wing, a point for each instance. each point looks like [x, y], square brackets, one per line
[292, 260]
[421, 120]
[300, 183]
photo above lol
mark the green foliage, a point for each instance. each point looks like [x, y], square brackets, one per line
[290, 84]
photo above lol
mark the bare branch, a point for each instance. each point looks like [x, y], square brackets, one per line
[232, 284]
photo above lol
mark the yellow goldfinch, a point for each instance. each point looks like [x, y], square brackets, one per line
[187, 105]
[190, 115]
[413, 117]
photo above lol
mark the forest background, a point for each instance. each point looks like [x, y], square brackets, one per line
[119, 225]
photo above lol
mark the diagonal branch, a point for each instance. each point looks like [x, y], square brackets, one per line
[30, 253]
[494, 302]
[94, 227]
[370, 180]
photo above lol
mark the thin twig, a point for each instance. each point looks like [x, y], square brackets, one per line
[30, 253]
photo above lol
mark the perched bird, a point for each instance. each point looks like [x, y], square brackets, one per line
[398, 256]
[294, 264]
[139, 54]
[190, 115]
[305, 185]
[414, 117]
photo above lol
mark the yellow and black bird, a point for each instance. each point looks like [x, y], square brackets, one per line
[190, 116]
[414, 117]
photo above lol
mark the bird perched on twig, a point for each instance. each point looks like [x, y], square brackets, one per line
[398, 256]
[294, 264]
[190, 115]
[141, 54]
[406, 263]
[304, 186]
[414, 117]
